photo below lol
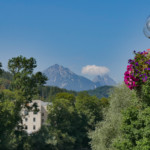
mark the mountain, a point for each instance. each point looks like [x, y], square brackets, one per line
[103, 80]
[65, 78]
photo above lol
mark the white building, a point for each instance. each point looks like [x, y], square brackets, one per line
[33, 120]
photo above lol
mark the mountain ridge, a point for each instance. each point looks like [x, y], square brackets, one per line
[64, 78]
[103, 80]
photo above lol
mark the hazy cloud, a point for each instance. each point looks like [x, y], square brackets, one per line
[95, 70]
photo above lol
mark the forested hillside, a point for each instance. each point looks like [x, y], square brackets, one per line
[5, 80]
[103, 91]
[47, 93]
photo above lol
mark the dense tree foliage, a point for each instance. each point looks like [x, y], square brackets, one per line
[109, 129]
[24, 81]
[48, 93]
[89, 106]
[71, 118]
[6, 75]
[24, 86]
[103, 91]
[5, 79]
[135, 125]
[127, 124]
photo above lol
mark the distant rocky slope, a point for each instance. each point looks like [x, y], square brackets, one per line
[65, 78]
[103, 80]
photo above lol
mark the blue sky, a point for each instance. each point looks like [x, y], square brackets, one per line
[74, 33]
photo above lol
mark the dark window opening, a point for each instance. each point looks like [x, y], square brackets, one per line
[34, 119]
[34, 127]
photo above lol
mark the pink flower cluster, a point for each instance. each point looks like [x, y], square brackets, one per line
[129, 79]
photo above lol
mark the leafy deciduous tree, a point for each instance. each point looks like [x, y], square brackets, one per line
[23, 87]
[109, 129]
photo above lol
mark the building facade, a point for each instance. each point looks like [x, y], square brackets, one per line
[33, 120]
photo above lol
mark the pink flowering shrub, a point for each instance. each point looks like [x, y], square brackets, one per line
[138, 70]
[129, 79]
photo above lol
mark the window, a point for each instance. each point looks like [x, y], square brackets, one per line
[42, 120]
[42, 114]
[34, 127]
[35, 112]
[26, 127]
[26, 119]
[25, 112]
[34, 119]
